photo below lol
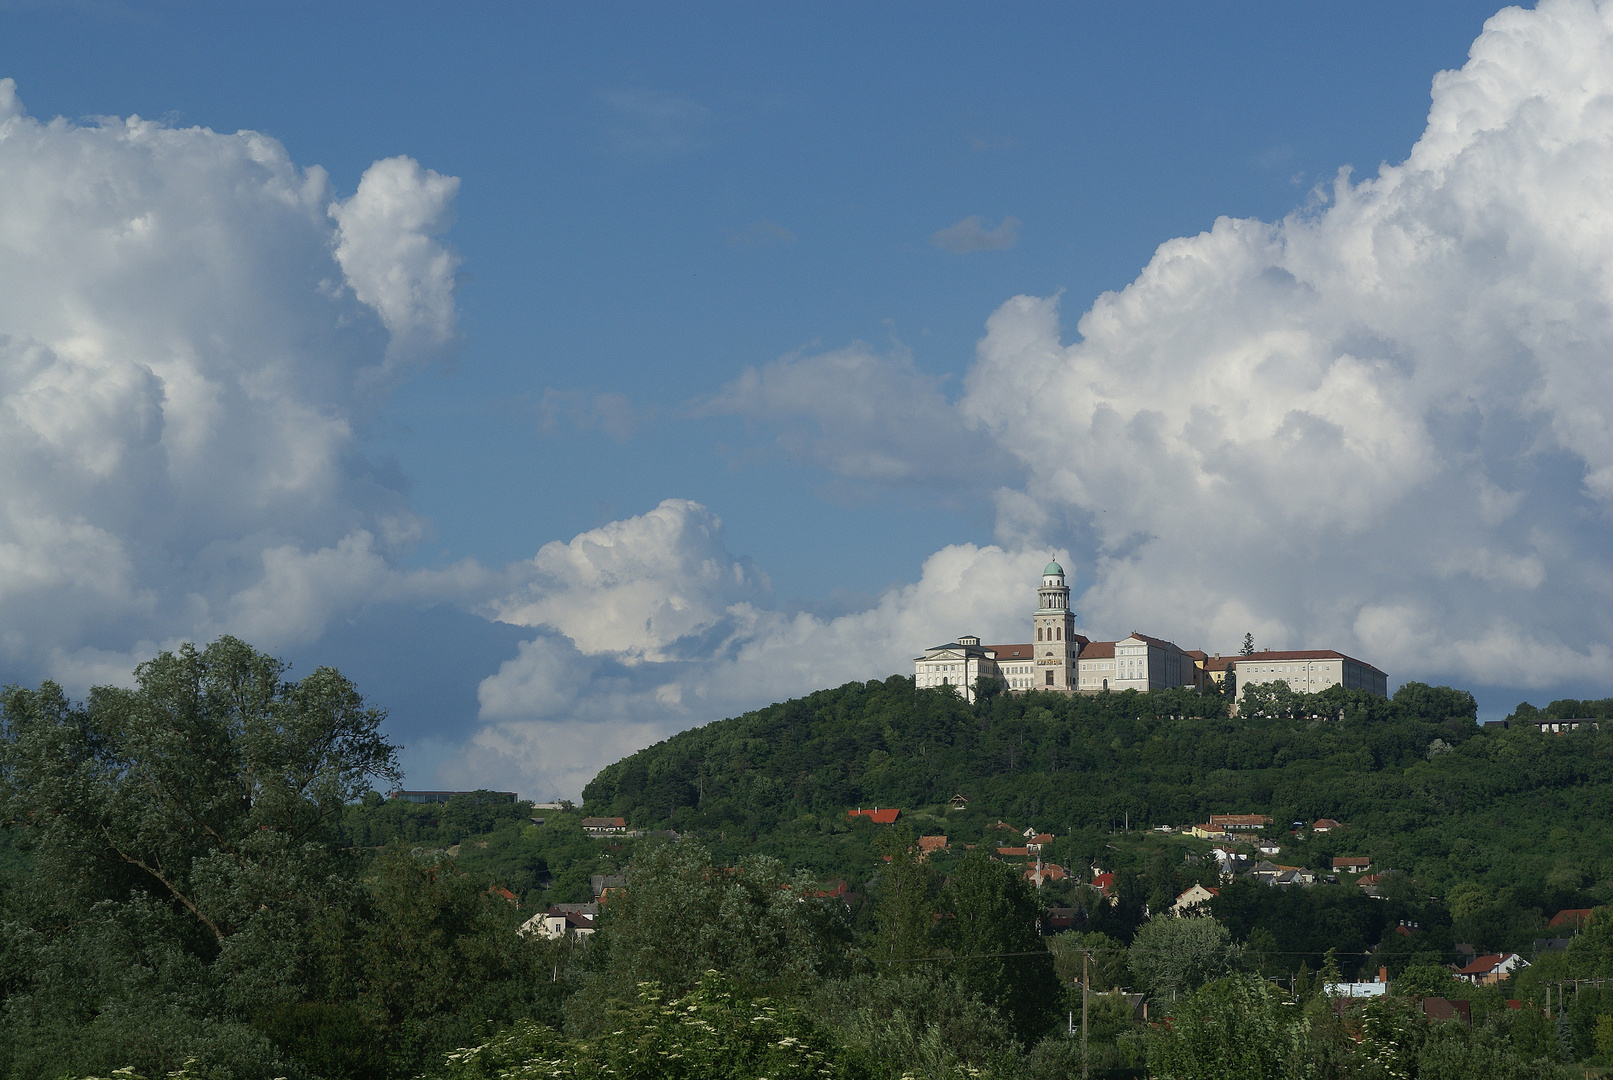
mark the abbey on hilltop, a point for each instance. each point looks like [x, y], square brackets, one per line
[1059, 659]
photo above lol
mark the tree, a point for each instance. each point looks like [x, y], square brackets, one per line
[681, 915]
[998, 954]
[1172, 956]
[185, 849]
[1237, 1028]
[904, 898]
[713, 1032]
[1248, 645]
[214, 784]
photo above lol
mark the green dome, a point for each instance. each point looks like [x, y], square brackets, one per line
[1054, 568]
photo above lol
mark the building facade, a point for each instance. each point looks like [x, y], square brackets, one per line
[1057, 658]
[1305, 671]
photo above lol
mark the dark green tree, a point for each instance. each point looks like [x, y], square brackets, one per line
[905, 896]
[1248, 645]
[682, 915]
[998, 954]
[184, 849]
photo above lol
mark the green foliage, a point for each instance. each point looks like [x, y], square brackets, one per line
[1430, 980]
[1489, 814]
[681, 915]
[1000, 957]
[1172, 956]
[914, 1021]
[1106, 967]
[191, 896]
[1233, 1029]
[905, 896]
[711, 1033]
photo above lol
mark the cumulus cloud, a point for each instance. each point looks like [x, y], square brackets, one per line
[189, 326]
[1381, 423]
[649, 625]
[645, 588]
[971, 234]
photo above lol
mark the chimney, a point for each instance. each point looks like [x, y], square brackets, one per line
[1383, 974]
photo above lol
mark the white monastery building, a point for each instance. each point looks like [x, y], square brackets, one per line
[1062, 660]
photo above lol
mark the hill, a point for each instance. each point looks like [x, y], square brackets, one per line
[1516, 817]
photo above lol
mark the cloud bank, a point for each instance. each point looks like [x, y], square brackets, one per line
[1382, 422]
[191, 328]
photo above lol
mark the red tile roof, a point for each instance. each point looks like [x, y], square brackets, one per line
[1349, 862]
[1012, 652]
[881, 817]
[932, 843]
[1483, 965]
[1327, 823]
[1104, 882]
[1042, 838]
[1014, 852]
[1572, 917]
[1098, 650]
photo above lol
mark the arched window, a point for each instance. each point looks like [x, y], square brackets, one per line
[1038, 633]
[1059, 633]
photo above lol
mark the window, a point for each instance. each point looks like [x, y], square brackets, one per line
[1060, 633]
[1050, 676]
[1038, 633]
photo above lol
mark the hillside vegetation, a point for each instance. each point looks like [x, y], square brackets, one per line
[1485, 819]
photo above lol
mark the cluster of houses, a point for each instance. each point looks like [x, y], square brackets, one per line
[1026, 850]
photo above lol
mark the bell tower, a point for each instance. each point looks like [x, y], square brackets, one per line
[1055, 644]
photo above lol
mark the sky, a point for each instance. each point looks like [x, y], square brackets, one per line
[571, 375]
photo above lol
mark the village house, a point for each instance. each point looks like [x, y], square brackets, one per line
[1190, 899]
[1491, 969]
[886, 816]
[597, 827]
[563, 920]
[1240, 822]
[1325, 825]
[1042, 871]
[1352, 864]
[1571, 918]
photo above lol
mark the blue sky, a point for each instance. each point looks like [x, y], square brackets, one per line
[744, 257]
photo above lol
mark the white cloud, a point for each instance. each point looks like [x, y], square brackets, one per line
[189, 325]
[386, 249]
[971, 234]
[1381, 423]
[627, 676]
[644, 588]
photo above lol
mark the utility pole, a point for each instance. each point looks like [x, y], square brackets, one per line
[1086, 980]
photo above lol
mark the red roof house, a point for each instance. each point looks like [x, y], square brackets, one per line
[1491, 969]
[1577, 918]
[928, 844]
[880, 817]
